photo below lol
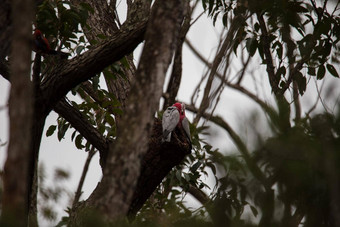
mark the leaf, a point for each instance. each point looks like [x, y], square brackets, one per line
[73, 135]
[211, 5]
[212, 167]
[257, 27]
[301, 82]
[62, 128]
[78, 141]
[195, 166]
[124, 62]
[281, 71]
[102, 36]
[311, 71]
[87, 7]
[251, 45]
[331, 69]
[95, 82]
[51, 130]
[321, 72]
[79, 49]
[186, 177]
[178, 175]
[254, 210]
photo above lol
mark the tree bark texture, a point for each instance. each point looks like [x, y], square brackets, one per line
[114, 194]
[5, 28]
[67, 75]
[157, 163]
[16, 180]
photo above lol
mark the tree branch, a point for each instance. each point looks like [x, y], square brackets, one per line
[114, 195]
[236, 86]
[77, 195]
[176, 75]
[198, 194]
[255, 170]
[157, 163]
[79, 69]
[273, 80]
[236, 22]
[81, 124]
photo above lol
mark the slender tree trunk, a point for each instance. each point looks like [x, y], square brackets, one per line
[16, 181]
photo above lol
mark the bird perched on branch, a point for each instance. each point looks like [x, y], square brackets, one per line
[175, 116]
[42, 46]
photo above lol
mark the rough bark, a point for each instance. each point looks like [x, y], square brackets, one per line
[5, 28]
[137, 11]
[16, 181]
[176, 74]
[67, 75]
[114, 194]
[157, 163]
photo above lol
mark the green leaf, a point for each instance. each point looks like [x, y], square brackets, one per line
[87, 7]
[211, 5]
[62, 128]
[186, 177]
[251, 45]
[79, 49]
[212, 167]
[124, 62]
[254, 210]
[281, 71]
[311, 71]
[321, 72]
[51, 130]
[73, 135]
[102, 36]
[331, 69]
[178, 175]
[301, 82]
[195, 166]
[95, 82]
[78, 141]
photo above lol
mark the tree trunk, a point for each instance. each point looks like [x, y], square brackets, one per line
[114, 194]
[16, 179]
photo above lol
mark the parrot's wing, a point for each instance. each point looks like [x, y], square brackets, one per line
[169, 122]
[186, 127]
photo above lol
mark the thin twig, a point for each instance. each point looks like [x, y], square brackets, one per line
[254, 169]
[229, 84]
[274, 82]
[78, 193]
[219, 56]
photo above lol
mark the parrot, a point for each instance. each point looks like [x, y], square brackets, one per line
[42, 46]
[175, 116]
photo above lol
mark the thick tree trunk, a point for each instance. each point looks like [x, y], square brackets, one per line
[16, 179]
[114, 194]
[157, 163]
[5, 28]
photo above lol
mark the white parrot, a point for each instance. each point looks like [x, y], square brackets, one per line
[174, 116]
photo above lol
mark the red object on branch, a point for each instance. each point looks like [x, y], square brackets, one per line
[42, 46]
